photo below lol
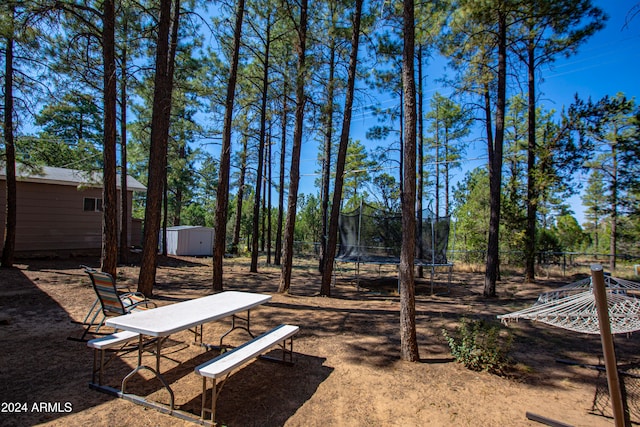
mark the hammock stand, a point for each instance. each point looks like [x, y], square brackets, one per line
[599, 305]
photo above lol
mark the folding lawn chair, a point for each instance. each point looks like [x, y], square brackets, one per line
[109, 302]
[112, 301]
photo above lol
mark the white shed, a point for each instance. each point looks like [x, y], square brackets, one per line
[189, 240]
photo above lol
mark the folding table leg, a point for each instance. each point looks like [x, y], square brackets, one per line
[246, 328]
[198, 333]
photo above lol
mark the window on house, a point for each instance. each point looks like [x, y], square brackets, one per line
[91, 204]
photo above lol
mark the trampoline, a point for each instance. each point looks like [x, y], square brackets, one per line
[369, 235]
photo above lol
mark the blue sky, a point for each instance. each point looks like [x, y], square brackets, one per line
[608, 63]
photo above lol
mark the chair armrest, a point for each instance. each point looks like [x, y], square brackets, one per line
[123, 287]
[132, 300]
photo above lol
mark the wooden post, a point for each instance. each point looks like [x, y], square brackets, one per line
[600, 293]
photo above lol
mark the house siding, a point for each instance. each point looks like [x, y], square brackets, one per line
[52, 218]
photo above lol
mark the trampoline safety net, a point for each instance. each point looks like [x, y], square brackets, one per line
[371, 235]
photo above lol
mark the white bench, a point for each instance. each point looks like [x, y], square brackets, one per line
[222, 365]
[116, 341]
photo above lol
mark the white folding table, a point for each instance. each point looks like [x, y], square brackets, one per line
[166, 320]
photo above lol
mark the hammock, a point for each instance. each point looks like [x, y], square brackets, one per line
[573, 307]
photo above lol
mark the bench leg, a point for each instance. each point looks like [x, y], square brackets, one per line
[216, 389]
[203, 408]
[288, 351]
[95, 367]
[98, 366]
[214, 398]
[101, 373]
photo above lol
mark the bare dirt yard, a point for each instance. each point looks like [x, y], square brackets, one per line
[347, 369]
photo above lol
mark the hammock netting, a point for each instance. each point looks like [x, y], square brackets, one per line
[371, 235]
[573, 307]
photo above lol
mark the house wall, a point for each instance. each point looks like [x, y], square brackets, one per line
[52, 218]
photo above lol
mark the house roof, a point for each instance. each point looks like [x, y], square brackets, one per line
[62, 176]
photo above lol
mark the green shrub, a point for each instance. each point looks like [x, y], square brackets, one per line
[479, 346]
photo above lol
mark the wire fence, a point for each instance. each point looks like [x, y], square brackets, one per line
[562, 260]
[507, 257]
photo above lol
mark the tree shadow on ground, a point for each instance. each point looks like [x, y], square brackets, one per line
[372, 336]
[36, 355]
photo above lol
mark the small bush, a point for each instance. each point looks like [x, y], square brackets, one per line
[479, 346]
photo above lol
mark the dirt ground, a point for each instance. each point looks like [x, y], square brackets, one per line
[347, 369]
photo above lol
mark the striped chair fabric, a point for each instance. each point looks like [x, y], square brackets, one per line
[113, 302]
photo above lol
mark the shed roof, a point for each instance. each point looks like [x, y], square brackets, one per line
[187, 227]
[183, 227]
[62, 176]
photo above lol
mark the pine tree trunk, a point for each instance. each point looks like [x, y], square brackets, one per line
[269, 164]
[165, 211]
[326, 155]
[532, 196]
[408, 339]
[222, 195]
[124, 202]
[160, 119]
[447, 179]
[263, 212]
[437, 159]
[283, 150]
[332, 234]
[614, 208]
[110, 192]
[9, 243]
[495, 165]
[294, 175]
[239, 198]
[260, 169]
[179, 190]
[420, 190]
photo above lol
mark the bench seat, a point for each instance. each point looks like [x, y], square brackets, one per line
[222, 365]
[233, 359]
[115, 342]
[111, 341]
